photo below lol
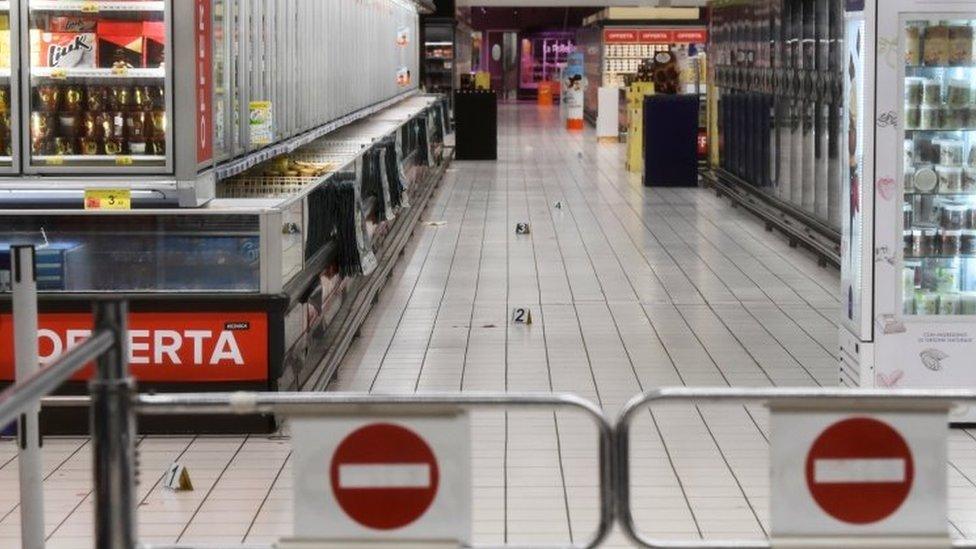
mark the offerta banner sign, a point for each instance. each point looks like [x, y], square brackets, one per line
[163, 347]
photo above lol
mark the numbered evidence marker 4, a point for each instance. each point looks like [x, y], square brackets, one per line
[877, 473]
[382, 479]
[521, 315]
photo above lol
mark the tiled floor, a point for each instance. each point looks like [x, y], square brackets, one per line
[628, 288]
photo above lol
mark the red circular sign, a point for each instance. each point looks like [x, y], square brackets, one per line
[384, 476]
[860, 470]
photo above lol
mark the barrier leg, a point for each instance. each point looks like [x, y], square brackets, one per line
[113, 429]
[27, 364]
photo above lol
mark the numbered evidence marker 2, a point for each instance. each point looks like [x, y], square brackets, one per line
[383, 479]
[177, 478]
[522, 228]
[877, 472]
[521, 315]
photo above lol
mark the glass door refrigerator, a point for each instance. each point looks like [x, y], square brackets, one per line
[96, 86]
[9, 63]
[909, 293]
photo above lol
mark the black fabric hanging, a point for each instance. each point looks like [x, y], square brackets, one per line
[423, 152]
[373, 182]
[393, 182]
[321, 220]
[343, 191]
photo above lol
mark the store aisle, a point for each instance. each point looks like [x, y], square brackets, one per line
[629, 289]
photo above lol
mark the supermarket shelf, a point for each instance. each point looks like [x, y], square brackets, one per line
[938, 130]
[246, 162]
[108, 74]
[799, 227]
[344, 328]
[95, 6]
[118, 160]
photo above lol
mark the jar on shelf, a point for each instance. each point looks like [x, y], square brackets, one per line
[926, 179]
[961, 44]
[913, 116]
[935, 46]
[959, 92]
[932, 92]
[927, 240]
[950, 179]
[930, 117]
[949, 304]
[950, 151]
[951, 242]
[913, 42]
[914, 90]
[926, 302]
[967, 303]
[946, 279]
[954, 216]
[967, 242]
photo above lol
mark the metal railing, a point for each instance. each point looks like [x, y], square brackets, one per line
[112, 424]
[859, 399]
[305, 403]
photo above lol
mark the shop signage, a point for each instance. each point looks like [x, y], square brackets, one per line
[382, 478]
[216, 346]
[204, 72]
[655, 36]
[870, 473]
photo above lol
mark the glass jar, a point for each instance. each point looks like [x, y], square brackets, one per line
[928, 241]
[935, 46]
[967, 242]
[932, 92]
[914, 91]
[951, 242]
[950, 179]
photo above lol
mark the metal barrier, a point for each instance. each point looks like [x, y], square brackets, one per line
[112, 426]
[639, 403]
[306, 403]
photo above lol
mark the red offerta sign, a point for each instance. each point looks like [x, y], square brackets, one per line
[204, 38]
[655, 36]
[163, 347]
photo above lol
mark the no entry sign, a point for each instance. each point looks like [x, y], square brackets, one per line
[382, 478]
[860, 470]
[867, 473]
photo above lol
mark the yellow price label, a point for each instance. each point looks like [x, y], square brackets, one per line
[59, 74]
[123, 160]
[54, 161]
[89, 7]
[108, 199]
[120, 71]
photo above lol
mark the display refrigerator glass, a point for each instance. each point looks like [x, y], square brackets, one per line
[97, 87]
[8, 120]
[939, 166]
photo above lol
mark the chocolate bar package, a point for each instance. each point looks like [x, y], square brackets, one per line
[71, 23]
[155, 35]
[120, 44]
[62, 49]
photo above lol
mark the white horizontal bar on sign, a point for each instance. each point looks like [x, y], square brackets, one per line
[384, 475]
[852, 471]
[91, 6]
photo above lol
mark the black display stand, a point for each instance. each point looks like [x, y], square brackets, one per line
[670, 140]
[475, 125]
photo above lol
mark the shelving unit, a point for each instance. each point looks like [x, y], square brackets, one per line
[438, 55]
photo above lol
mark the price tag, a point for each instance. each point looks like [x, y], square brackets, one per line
[59, 74]
[89, 7]
[54, 161]
[123, 160]
[108, 199]
[120, 71]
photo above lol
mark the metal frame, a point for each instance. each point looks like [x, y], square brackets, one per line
[28, 167]
[858, 399]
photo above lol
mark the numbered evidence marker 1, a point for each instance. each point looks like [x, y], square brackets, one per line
[177, 478]
[522, 228]
[521, 315]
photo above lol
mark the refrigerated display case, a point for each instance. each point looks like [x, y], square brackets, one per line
[9, 101]
[779, 76]
[917, 260]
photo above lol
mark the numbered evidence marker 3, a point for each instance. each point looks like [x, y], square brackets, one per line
[522, 228]
[872, 473]
[382, 479]
[521, 315]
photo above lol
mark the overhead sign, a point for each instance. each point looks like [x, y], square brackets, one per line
[866, 474]
[163, 347]
[692, 35]
[382, 478]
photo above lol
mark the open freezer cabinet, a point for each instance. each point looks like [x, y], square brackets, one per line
[920, 275]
